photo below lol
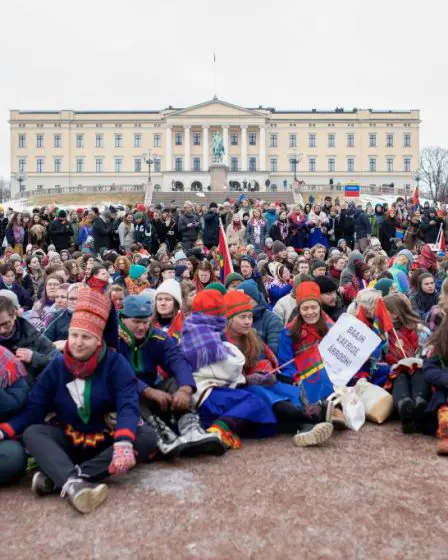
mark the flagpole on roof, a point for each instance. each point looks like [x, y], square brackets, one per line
[214, 76]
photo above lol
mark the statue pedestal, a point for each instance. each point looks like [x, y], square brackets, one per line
[218, 177]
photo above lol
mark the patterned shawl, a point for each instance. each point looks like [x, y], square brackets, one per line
[202, 340]
[11, 369]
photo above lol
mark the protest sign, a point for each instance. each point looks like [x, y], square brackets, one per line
[346, 347]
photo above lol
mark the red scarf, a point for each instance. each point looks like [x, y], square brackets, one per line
[335, 273]
[97, 284]
[83, 369]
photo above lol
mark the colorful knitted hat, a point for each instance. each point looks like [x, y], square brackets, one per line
[210, 302]
[307, 291]
[217, 286]
[237, 302]
[136, 270]
[91, 312]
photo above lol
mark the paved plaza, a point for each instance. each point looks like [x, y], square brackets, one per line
[373, 494]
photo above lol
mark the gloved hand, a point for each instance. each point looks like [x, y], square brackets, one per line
[265, 379]
[123, 458]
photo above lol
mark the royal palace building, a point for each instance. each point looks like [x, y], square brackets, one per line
[264, 147]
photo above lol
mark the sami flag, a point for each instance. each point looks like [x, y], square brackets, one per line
[225, 262]
[312, 377]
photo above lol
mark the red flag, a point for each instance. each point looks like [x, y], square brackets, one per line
[225, 262]
[441, 243]
[382, 317]
[415, 198]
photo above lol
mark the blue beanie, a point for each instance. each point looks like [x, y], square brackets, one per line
[406, 253]
[136, 270]
[137, 306]
[250, 288]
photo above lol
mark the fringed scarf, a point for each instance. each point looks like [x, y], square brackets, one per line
[202, 340]
[11, 369]
[135, 348]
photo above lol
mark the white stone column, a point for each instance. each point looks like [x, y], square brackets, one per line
[205, 128]
[225, 140]
[262, 151]
[244, 147]
[187, 134]
[168, 148]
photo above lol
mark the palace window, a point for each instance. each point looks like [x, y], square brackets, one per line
[118, 165]
[234, 139]
[157, 165]
[311, 140]
[57, 141]
[99, 141]
[390, 164]
[79, 165]
[22, 141]
[372, 140]
[350, 140]
[22, 165]
[293, 140]
[389, 140]
[234, 164]
[350, 165]
[312, 164]
[407, 164]
[196, 164]
[118, 140]
[137, 165]
[252, 163]
[57, 165]
[406, 140]
[40, 141]
[137, 140]
[39, 165]
[332, 140]
[372, 165]
[273, 141]
[178, 164]
[331, 165]
[252, 139]
[274, 165]
[99, 165]
[178, 138]
[80, 140]
[156, 140]
[196, 138]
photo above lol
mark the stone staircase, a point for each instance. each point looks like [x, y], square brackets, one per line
[178, 198]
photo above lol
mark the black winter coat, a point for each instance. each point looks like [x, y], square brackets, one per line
[145, 234]
[189, 234]
[25, 300]
[431, 232]
[102, 233]
[60, 233]
[210, 235]
[362, 225]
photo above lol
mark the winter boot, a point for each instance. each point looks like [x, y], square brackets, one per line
[442, 431]
[42, 485]
[406, 411]
[420, 407]
[333, 415]
[82, 495]
[169, 443]
[197, 441]
[315, 435]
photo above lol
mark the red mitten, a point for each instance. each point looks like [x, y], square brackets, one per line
[123, 458]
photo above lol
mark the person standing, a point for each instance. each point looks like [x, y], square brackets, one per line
[211, 226]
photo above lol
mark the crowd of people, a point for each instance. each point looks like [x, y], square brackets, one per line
[128, 335]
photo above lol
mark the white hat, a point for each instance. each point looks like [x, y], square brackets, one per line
[172, 288]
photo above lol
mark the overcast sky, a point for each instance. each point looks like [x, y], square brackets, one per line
[289, 54]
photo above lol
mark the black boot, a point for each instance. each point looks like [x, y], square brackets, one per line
[421, 404]
[406, 411]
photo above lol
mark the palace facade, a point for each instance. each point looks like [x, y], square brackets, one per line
[264, 147]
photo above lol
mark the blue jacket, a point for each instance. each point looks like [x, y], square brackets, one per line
[271, 217]
[277, 292]
[113, 389]
[268, 326]
[13, 399]
[58, 328]
[436, 375]
[158, 349]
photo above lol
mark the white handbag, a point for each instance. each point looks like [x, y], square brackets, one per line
[352, 407]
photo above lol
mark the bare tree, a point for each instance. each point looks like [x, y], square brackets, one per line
[433, 171]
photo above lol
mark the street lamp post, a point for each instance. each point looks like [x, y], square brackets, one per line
[295, 159]
[149, 161]
[20, 178]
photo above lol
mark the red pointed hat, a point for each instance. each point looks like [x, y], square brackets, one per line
[307, 291]
[210, 302]
[237, 302]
